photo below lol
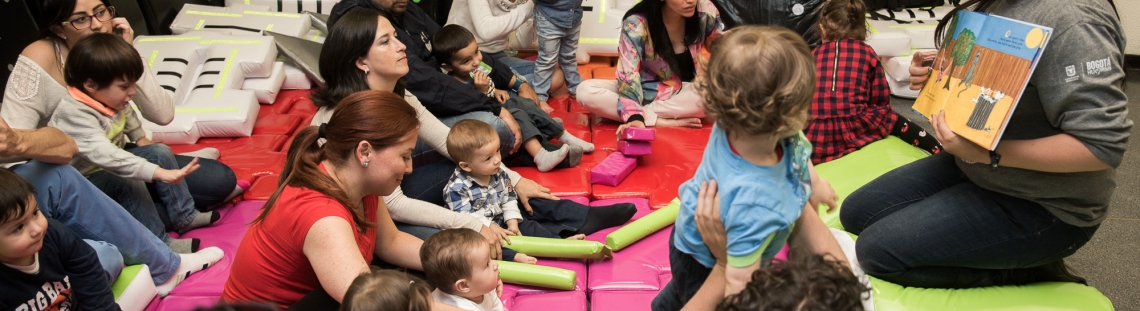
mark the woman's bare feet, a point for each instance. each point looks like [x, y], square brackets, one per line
[524, 258]
[683, 122]
[577, 237]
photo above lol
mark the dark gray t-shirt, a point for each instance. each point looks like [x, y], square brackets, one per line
[1076, 90]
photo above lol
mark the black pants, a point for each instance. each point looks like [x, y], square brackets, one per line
[688, 276]
[551, 219]
[914, 134]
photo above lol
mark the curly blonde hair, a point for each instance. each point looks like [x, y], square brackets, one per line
[759, 81]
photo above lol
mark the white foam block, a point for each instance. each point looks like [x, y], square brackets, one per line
[239, 20]
[901, 88]
[601, 26]
[266, 88]
[295, 79]
[888, 41]
[291, 6]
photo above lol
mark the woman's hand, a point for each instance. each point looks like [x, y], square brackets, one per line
[121, 27]
[175, 176]
[527, 189]
[708, 221]
[919, 71]
[956, 145]
[495, 236]
[622, 128]
[482, 82]
[502, 96]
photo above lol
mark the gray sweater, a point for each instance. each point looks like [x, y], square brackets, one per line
[97, 149]
[1075, 90]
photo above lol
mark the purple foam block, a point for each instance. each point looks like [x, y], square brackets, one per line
[634, 148]
[613, 169]
[637, 133]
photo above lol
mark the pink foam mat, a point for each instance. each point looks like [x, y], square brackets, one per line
[226, 234]
[621, 300]
[643, 266]
[560, 301]
[183, 303]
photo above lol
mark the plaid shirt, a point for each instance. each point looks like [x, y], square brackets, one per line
[640, 69]
[494, 203]
[852, 104]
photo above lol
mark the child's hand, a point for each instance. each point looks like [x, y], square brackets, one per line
[502, 96]
[143, 142]
[821, 192]
[482, 82]
[495, 236]
[708, 221]
[513, 226]
[175, 176]
[622, 127]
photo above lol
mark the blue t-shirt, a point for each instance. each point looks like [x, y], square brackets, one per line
[759, 204]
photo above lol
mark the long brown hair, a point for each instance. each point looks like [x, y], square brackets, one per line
[844, 19]
[381, 118]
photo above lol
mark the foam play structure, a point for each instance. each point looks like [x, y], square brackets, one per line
[266, 89]
[134, 288]
[243, 19]
[601, 26]
[290, 6]
[204, 72]
[613, 169]
[897, 72]
[848, 173]
[558, 248]
[637, 134]
[634, 148]
[643, 227]
[536, 275]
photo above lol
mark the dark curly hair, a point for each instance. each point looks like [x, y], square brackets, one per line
[805, 282]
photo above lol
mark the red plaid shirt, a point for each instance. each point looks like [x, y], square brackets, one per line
[852, 104]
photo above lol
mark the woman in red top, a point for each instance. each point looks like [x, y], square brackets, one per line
[852, 104]
[321, 227]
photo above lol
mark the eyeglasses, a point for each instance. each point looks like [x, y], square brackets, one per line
[103, 14]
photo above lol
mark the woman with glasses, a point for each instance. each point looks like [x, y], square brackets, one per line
[36, 87]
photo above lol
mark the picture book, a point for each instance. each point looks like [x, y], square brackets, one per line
[979, 74]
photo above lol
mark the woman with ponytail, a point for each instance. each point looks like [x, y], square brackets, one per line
[326, 220]
[971, 217]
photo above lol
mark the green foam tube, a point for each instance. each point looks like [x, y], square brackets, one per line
[641, 228]
[558, 248]
[535, 275]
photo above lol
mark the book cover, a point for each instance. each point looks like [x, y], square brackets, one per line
[979, 74]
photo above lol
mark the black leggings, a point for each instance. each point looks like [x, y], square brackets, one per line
[914, 134]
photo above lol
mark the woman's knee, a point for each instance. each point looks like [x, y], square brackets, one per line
[875, 255]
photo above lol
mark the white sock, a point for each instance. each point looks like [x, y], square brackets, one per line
[205, 153]
[573, 140]
[191, 263]
[547, 160]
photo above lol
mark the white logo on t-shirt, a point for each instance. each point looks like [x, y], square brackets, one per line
[1098, 66]
[1071, 72]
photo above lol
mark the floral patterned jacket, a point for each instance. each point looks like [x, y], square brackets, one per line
[642, 75]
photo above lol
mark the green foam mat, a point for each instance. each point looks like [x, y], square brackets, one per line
[858, 168]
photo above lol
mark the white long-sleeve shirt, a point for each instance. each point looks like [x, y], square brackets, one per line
[491, 21]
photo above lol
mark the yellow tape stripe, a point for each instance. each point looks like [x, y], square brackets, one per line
[208, 42]
[268, 28]
[275, 14]
[153, 55]
[597, 40]
[871, 28]
[602, 13]
[203, 110]
[219, 14]
[200, 23]
[246, 1]
[316, 35]
[168, 39]
[225, 73]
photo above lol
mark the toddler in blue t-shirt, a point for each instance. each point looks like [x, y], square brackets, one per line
[759, 84]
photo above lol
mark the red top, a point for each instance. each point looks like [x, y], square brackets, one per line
[852, 103]
[270, 264]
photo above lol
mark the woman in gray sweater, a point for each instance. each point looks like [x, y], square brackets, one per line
[969, 217]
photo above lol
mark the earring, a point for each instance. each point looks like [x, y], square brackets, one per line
[365, 163]
[365, 70]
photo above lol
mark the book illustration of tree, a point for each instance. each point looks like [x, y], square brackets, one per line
[963, 45]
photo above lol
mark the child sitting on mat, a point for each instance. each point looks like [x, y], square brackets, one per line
[758, 84]
[852, 103]
[380, 290]
[458, 53]
[479, 188]
[458, 263]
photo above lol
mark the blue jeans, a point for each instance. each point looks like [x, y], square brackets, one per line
[64, 195]
[521, 66]
[210, 185]
[555, 43]
[126, 193]
[926, 225]
[173, 202]
[109, 258]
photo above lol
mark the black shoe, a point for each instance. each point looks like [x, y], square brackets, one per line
[1057, 271]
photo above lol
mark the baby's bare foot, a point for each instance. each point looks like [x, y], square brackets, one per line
[684, 122]
[577, 237]
[524, 258]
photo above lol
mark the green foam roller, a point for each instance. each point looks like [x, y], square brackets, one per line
[558, 248]
[641, 228]
[535, 275]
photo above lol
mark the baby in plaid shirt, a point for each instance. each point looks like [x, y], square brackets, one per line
[479, 188]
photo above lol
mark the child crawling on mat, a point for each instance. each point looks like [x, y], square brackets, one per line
[458, 263]
[759, 84]
[479, 188]
[458, 53]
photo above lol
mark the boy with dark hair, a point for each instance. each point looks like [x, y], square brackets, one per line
[805, 282]
[45, 265]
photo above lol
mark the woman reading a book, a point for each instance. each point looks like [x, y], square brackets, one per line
[969, 217]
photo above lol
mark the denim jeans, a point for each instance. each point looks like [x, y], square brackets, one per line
[926, 225]
[109, 258]
[64, 195]
[506, 138]
[555, 44]
[210, 185]
[173, 202]
[521, 66]
[126, 193]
